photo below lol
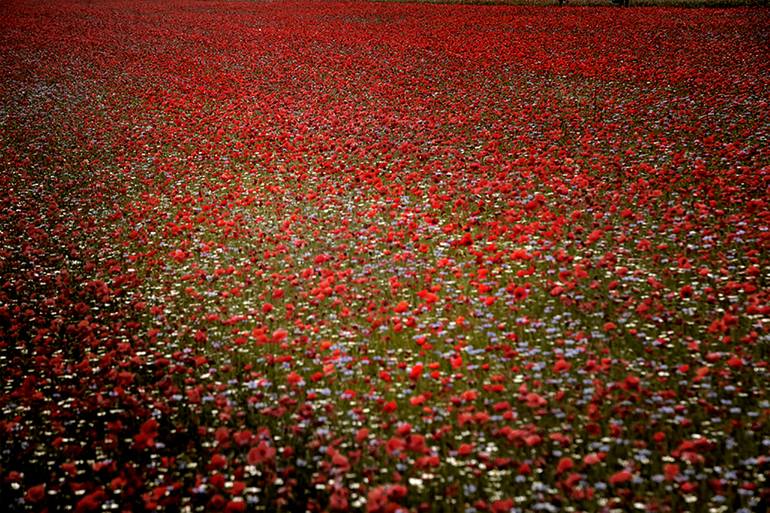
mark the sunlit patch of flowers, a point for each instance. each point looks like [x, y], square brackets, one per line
[383, 257]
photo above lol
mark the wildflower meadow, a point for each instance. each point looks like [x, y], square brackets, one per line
[383, 257]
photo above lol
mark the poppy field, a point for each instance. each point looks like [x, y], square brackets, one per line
[383, 257]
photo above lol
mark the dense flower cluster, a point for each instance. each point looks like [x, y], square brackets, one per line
[318, 256]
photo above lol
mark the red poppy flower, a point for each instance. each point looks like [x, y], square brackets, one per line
[262, 453]
[620, 477]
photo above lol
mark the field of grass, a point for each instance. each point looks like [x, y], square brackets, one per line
[383, 257]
